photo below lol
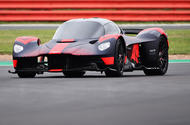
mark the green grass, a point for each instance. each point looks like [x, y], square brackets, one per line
[179, 40]
[7, 37]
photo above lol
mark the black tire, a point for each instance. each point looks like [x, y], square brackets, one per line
[162, 62]
[74, 73]
[119, 60]
[26, 74]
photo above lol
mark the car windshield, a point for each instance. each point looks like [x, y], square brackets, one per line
[79, 30]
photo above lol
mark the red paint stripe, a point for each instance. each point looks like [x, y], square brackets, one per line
[108, 60]
[135, 53]
[125, 59]
[108, 36]
[55, 70]
[67, 40]
[26, 40]
[15, 63]
[58, 48]
[157, 29]
[41, 58]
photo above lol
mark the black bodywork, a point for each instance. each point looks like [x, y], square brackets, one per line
[76, 46]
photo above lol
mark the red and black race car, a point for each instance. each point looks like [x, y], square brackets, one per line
[92, 44]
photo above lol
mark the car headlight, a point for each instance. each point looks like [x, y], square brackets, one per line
[104, 46]
[18, 48]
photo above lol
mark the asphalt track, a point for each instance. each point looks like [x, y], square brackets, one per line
[135, 99]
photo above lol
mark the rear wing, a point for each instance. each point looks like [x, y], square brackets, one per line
[131, 31]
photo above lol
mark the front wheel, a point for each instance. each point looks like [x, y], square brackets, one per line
[119, 60]
[26, 74]
[162, 62]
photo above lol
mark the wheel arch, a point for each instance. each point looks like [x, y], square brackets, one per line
[29, 44]
[152, 34]
[149, 51]
[123, 42]
[164, 36]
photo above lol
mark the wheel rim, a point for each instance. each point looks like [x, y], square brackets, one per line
[163, 56]
[120, 59]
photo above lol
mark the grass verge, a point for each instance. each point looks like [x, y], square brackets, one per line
[179, 39]
[7, 37]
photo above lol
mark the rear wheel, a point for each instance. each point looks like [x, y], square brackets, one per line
[74, 73]
[119, 59]
[162, 63]
[26, 74]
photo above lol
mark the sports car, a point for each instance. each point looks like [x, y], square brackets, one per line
[92, 44]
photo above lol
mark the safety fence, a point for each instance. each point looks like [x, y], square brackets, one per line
[117, 10]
